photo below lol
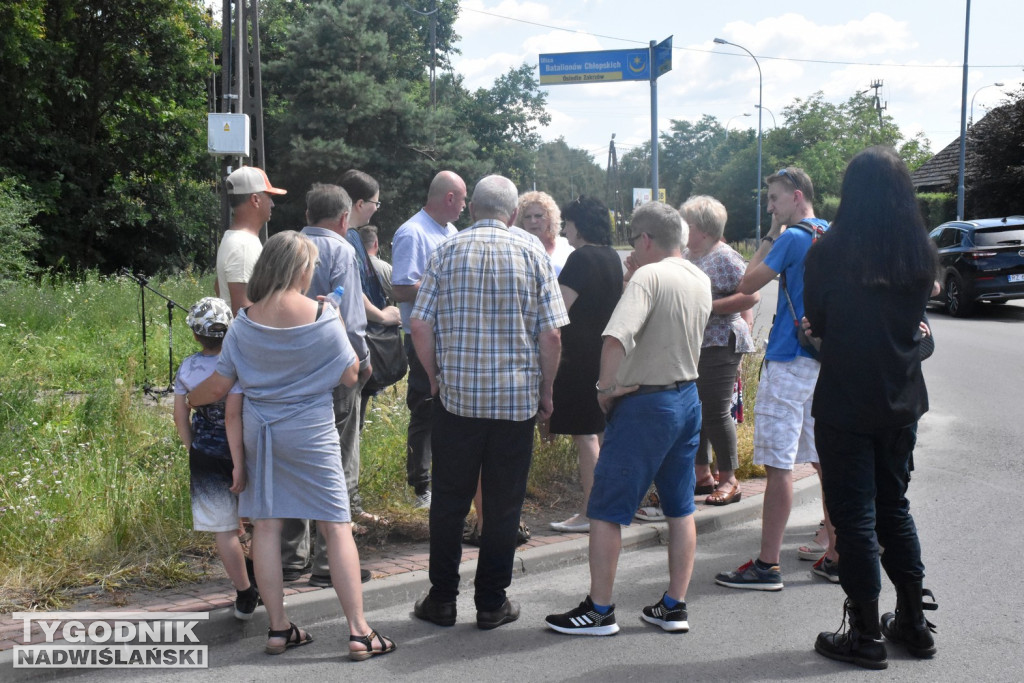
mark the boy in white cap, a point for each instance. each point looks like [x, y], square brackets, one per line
[216, 459]
[250, 196]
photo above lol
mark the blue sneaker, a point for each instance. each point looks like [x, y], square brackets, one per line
[750, 577]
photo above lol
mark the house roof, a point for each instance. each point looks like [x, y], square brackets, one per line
[940, 173]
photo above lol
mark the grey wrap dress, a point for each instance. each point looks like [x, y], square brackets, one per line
[292, 453]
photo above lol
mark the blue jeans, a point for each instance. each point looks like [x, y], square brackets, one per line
[864, 478]
[498, 452]
[653, 437]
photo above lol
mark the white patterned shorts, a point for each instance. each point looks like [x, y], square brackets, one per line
[783, 426]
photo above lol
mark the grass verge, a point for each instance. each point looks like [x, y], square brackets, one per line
[93, 480]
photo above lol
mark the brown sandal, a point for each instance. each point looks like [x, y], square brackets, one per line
[386, 644]
[725, 496]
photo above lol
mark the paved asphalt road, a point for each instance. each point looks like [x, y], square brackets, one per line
[966, 497]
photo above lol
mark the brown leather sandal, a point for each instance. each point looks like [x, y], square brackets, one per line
[386, 645]
[725, 497]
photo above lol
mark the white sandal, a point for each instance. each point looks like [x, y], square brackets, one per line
[650, 514]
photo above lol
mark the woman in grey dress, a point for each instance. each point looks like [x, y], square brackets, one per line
[288, 352]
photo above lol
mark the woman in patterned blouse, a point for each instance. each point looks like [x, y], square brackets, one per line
[726, 339]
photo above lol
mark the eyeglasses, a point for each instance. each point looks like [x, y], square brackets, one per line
[377, 204]
[633, 238]
[534, 216]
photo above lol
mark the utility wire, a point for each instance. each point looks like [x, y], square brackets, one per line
[730, 54]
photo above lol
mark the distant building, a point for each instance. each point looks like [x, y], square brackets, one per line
[940, 173]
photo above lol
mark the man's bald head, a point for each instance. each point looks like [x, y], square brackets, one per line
[446, 197]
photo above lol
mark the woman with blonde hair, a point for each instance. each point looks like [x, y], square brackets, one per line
[726, 338]
[539, 216]
[288, 352]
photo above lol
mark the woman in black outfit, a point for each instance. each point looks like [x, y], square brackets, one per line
[866, 285]
[591, 284]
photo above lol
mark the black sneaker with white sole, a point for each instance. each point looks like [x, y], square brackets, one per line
[246, 602]
[584, 621]
[669, 618]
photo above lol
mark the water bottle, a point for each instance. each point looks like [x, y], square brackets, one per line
[334, 298]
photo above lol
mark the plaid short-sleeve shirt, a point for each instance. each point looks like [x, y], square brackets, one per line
[488, 294]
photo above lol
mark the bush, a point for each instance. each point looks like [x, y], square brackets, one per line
[936, 208]
[18, 237]
[827, 207]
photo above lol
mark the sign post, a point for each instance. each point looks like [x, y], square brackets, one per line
[610, 66]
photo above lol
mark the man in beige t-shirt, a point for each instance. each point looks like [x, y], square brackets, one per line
[646, 388]
[249, 194]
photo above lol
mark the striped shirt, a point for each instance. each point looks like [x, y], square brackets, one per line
[488, 294]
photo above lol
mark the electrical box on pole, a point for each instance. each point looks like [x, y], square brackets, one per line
[228, 135]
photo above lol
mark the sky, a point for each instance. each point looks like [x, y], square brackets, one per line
[915, 47]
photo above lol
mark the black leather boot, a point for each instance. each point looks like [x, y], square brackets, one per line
[858, 640]
[907, 626]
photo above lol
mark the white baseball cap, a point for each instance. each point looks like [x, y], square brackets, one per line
[249, 180]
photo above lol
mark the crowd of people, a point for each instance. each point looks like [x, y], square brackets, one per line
[528, 318]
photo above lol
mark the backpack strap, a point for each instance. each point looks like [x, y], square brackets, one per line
[808, 228]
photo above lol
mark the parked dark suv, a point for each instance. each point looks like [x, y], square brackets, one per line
[980, 260]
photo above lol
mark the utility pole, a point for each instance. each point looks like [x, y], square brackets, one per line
[612, 194]
[241, 84]
[433, 47]
[879, 107]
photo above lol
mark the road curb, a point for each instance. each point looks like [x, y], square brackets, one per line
[315, 607]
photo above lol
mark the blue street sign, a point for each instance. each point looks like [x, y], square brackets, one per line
[663, 57]
[601, 66]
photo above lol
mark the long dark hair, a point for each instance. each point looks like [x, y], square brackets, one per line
[878, 226]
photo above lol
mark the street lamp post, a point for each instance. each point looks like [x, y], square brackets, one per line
[997, 84]
[760, 90]
[746, 113]
[770, 112]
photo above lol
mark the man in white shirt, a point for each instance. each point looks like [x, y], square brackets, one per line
[250, 196]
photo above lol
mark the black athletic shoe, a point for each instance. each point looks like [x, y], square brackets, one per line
[669, 618]
[584, 621]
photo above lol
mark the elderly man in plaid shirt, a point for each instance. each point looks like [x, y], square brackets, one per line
[486, 328]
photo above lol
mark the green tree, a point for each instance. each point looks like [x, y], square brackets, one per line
[566, 172]
[822, 137]
[995, 177]
[733, 183]
[340, 102]
[103, 119]
[635, 171]
[688, 150]
[915, 151]
[503, 121]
